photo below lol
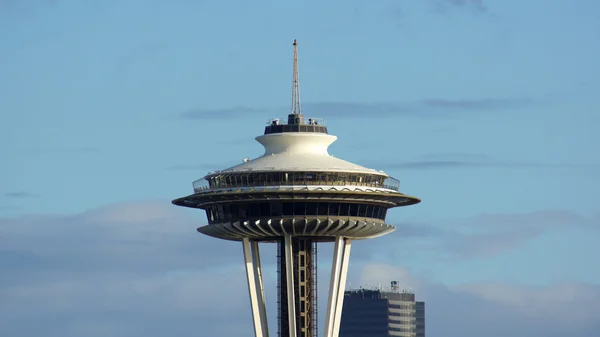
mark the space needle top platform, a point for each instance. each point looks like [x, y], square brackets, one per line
[260, 198]
[296, 195]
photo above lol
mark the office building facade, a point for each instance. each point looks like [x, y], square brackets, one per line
[378, 313]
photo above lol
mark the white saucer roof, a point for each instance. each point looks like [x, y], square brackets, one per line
[298, 152]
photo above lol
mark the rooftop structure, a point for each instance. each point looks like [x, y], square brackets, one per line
[296, 195]
[382, 313]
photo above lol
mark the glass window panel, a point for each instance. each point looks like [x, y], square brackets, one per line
[254, 209]
[323, 208]
[226, 212]
[344, 209]
[243, 211]
[220, 214]
[353, 209]
[288, 208]
[234, 210]
[331, 177]
[376, 211]
[300, 208]
[311, 208]
[334, 209]
[369, 212]
[362, 211]
[276, 209]
[265, 209]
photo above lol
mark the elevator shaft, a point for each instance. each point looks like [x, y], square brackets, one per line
[305, 280]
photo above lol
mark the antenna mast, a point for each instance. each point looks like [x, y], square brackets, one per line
[296, 109]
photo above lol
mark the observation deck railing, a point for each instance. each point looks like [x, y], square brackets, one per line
[263, 179]
[281, 125]
[307, 121]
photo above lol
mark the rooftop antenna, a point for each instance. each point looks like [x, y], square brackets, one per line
[296, 109]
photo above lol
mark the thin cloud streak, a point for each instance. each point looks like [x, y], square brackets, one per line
[483, 235]
[199, 167]
[425, 108]
[448, 164]
[458, 161]
[141, 269]
[21, 195]
[480, 104]
[478, 5]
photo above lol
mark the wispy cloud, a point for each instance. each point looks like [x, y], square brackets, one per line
[21, 195]
[478, 104]
[141, 269]
[477, 5]
[224, 113]
[423, 108]
[24, 9]
[199, 167]
[457, 161]
[66, 150]
[484, 307]
[8, 208]
[483, 235]
[123, 269]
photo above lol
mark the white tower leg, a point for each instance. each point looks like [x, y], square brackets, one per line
[337, 284]
[260, 287]
[289, 275]
[255, 287]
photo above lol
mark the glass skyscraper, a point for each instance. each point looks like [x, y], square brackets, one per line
[378, 313]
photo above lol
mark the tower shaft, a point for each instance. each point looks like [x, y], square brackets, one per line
[305, 287]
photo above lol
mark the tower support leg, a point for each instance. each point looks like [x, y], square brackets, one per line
[255, 287]
[289, 273]
[337, 284]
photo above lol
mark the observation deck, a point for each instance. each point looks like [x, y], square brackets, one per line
[295, 123]
[296, 187]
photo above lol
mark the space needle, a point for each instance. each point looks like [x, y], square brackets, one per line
[296, 195]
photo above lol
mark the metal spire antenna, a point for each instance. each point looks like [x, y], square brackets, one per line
[296, 108]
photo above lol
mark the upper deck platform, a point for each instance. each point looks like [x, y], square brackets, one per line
[295, 123]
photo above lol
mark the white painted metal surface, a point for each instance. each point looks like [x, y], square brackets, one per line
[302, 151]
[341, 287]
[337, 285]
[312, 188]
[262, 305]
[252, 274]
[289, 274]
[333, 285]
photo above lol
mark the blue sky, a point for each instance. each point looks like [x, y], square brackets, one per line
[487, 110]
